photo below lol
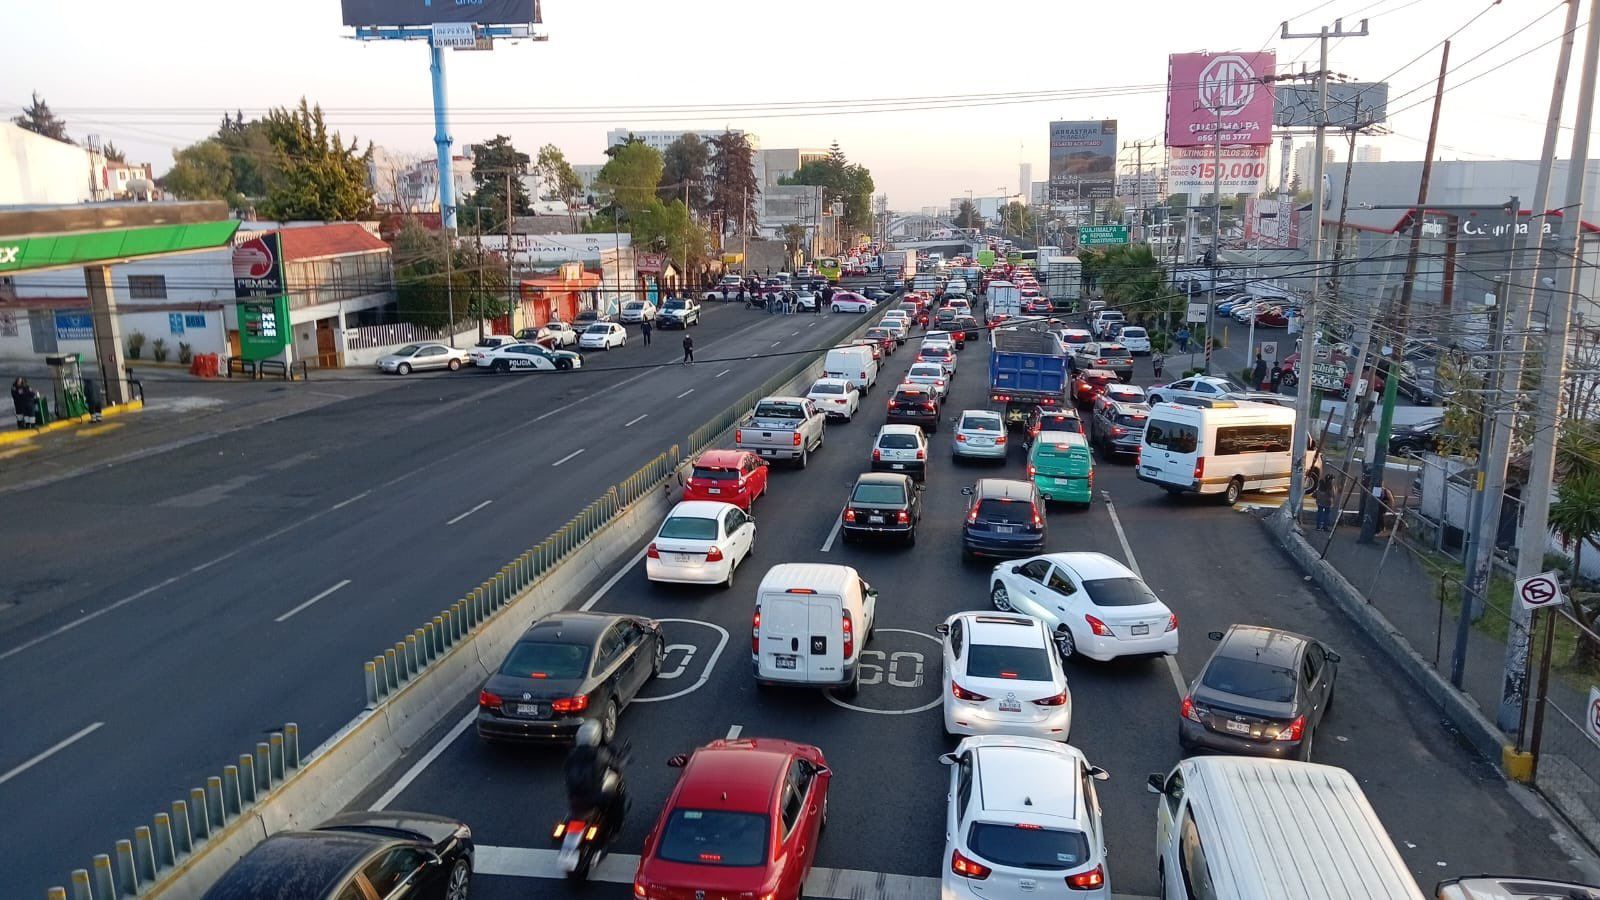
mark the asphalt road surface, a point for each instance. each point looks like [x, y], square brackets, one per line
[1447, 810]
[164, 614]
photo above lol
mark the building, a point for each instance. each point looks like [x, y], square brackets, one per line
[1143, 189]
[405, 183]
[1025, 179]
[988, 207]
[782, 163]
[661, 140]
[1039, 193]
[37, 170]
[1304, 156]
[1369, 153]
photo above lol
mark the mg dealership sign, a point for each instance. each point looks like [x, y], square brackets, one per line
[1224, 94]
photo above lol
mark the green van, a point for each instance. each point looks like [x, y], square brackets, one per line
[1060, 466]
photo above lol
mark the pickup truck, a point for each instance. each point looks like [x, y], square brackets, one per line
[782, 428]
[1027, 368]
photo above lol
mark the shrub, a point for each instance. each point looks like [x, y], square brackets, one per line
[185, 353]
[158, 349]
[135, 344]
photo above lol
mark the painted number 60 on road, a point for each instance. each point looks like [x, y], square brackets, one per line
[902, 667]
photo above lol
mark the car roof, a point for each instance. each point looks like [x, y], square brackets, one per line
[829, 379]
[911, 387]
[1098, 373]
[1271, 646]
[1128, 407]
[700, 509]
[579, 625]
[1028, 777]
[827, 577]
[741, 776]
[980, 414]
[1090, 566]
[899, 429]
[883, 477]
[295, 864]
[1001, 630]
[1002, 489]
[1063, 411]
[726, 459]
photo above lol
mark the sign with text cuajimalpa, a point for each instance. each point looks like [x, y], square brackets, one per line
[258, 266]
[1207, 93]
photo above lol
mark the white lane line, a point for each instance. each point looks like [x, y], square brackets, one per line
[723, 372]
[797, 334]
[59, 746]
[312, 600]
[469, 512]
[568, 456]
[833, 535]
[343, 503]
[776, 343]
[1127, 550]
[632, 422]
[686, 393]
[734, 731]
[812, 325]
[589, 603]
[433, 753]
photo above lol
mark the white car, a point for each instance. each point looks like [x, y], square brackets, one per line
[481, 350]
[557, 334]
[1023, 822]
[1092, 604]
[849, 302]
[701, 542]
[727, 289]
[530, 357]
[603, 336]
[1135, 338]
[1125, 393]
[1003, 676]
[902, 449]
[941, 352]
[839, 398]
[1200, 387]
[931, 374]
[417, 357]
[635, 312]
[805, 300]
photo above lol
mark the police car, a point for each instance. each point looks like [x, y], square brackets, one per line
[529, 357]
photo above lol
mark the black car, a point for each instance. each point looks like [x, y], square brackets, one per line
[883, 504]
[914, 404]
[1417, 438]
[568, 668]
[970, 329]
[587, 317]
[1003, 518]
[1117, 426]
[415, 855]
[1262, 693]
[1419, 379]
[1063, 418]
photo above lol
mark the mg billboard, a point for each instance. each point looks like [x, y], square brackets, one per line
[1226, 93]
[1083, 160]
[430, 12]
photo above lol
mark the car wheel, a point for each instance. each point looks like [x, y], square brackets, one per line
[563, 364]
[455, 364]
[403, 369]
[727, 583]
[1065, 645]
[659, 657]
[460, 882]
[824, 824]
[850, 690]
[1235, 488]
[1002, 599]
[1155, 398]
[805, 459]
[1313, 478]
[500, 367]
[911, 537]
[608, 722]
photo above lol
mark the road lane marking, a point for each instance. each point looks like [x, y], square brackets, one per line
[776, 343]
[705, 673]
[797, 334]
[723, 372]
[733, 732]
[343, 503]
[1127, 550]
[59, 746]
[312, 600]
[632, 422]
[568, 456]
[589, 603]
[685, 393]
[833, 535]
[469, 512]
[411, 774]
[812, 325]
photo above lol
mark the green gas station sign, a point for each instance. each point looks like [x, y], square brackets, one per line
[263, 327]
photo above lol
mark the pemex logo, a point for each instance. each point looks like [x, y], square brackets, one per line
[1228, 85]
[252, 260]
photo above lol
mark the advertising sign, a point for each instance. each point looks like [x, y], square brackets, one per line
[1350, 105]
[649, 263]
[1244, 169]
[175, 323]
[1328, 376]
[263, 327]
[454, 34]
[74, 326]
[258, 266]
[1206, 93]
[1102, 234]
[1083, 160]
[429, 12]
[1267, 225]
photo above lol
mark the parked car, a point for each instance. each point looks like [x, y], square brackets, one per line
[914, 404]
[1419, 379]
[882, 504]
[487, 344]
[1093, 605]
[566, 669]
[1003, 676]
[726, 288]
[420, 357]
[782, 428]
[1004, 517]
[603, 336]
[635, 312]
[980, 434]
[838, 398]
[1417, 438]
[679, 312]
[1263, 692]
[1117, 427]
[1199, 387]
[701, 542]
[587, 317]
[526, 357]
[555, 335]
[729, 476]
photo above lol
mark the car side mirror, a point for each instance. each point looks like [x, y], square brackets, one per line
[1333, 657]
[948, 759]
[1155, 784]
[1016, 570]
[1099, 774]
[1214, 635]
[678, 761]
[941, 629]
[966, 492]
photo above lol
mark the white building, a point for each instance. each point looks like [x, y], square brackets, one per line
[403, 182]
[1304, 159]
[36, 170]
[1369, 153]
[659, 141]
[1025, 180]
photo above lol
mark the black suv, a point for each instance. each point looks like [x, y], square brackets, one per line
[1003, 518]
[1117, 427]
[914, 404]
[883, 504]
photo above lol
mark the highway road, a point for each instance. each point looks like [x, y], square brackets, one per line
[1447, 810]
[168, 612]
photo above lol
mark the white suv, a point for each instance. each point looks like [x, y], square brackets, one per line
[1023, 818]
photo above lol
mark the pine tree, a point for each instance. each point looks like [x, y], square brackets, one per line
[491, 160]
[318, 177]
[37, 118]
[733, 182]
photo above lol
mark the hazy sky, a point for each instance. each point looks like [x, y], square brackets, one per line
[155, 76]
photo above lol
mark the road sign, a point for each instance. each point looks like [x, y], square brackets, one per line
[1269, 351]
[1197, 312]
[1539, 591]
[1328, 376]
[1591, 720]
[1102, 234]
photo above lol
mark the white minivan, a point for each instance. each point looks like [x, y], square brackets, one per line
[1224, 448]
[1272, 829]
[810, 624]
[852, 364]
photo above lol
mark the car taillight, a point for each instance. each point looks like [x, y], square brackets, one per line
[738, 435]
[714, 554]
[1098, 627]
[1172, 622]
[797, 438]
[849, 635]
[1294, 732]
[1032, 470]
[1118, 431]
[876, 454]
[902, 517]
[961, 439]
[972, 515]
[961, 693]
[1000, 441]
[1038, 520]
[967, 868]
[849, 515]
[1187, 710]
[487, 700]
[1087, 881]
[571, 704]
[1058, 700]
[755, 632]
[929, 407]
[922, 454]
[641, 887]
[1199, 468]
[652, 552]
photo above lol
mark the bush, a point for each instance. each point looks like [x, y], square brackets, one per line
[1189, 373]
[185, 353]
[1160, 341]
[158, 349]
[135, 344]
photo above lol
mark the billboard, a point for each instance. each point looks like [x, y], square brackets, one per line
[1190, 169]
[1206, 92]
[428, 12]
[1350, 105]
[1269, 224]
[258, 266]
[1083, 160]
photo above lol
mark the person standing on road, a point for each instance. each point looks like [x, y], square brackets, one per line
[22, 400]
[1259, 373]
[645, 329]
[1157, 361]
[1183, 339]
[1325, 503]
[688, 350]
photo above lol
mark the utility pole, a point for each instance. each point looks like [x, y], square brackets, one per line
[511, 272]
[1481, 535]
[1138, 199]
[1216, 231]
[450, 281]
[1371, 511]
[1308, 341]
[1563, 258]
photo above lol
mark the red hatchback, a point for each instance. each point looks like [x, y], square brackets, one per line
[727, 476]
[742, 824]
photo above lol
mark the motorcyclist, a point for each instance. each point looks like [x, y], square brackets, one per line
[594, 776]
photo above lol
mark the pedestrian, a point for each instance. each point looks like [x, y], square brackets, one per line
[1156, 362]
[1259, 373]
[1325, 518]
[94, 398]
[1277, 378]
[688, 350]
[1183, 339]
[645, 328]
[22, 401]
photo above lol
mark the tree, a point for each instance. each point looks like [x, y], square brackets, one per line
[428, 292]
[660, 228]
[614, 149]
[967, 215]
[794, 240]
[317, 177]
[683, 171]
[631, 176]
[113, 153]
[1016, 219]
[492, 161]
[1129, 278]
[841, 181]
[556, 174]
[37, 118]
[733, 182]
[203, 171]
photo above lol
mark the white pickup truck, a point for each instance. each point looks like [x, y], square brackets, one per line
[782, 428]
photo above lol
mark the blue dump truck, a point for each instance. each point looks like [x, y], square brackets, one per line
[1027, 368]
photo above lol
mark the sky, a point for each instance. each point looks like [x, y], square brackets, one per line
[158, 76]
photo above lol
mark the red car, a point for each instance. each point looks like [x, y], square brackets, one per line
[1089, 384]
[728, 476]
[743, 821]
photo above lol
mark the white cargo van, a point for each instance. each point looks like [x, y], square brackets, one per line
[852, 364]
[1272, 829]
[810, 624]
[1224, 448]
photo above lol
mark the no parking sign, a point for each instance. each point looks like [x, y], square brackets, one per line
[1591, 720]
[1539, 591]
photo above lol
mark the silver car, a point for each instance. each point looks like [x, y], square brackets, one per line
[981, 434]
[931, 374]
[417, 357]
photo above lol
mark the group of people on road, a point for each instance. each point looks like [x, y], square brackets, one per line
[26, 402]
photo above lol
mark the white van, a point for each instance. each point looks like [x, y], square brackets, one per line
[809, 626]
[1272, 829]
[852, 364]
[1224, 448]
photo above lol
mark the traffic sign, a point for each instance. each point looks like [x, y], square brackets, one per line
[1591, 720]
[1102, 234]
[1269, 351]
[1198, 312]
[1539, 591]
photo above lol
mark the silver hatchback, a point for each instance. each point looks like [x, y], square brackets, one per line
[981, 434]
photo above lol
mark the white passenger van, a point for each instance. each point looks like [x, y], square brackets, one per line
[1222, 447]
[1272, 829]
[810, 624]
[852, 364]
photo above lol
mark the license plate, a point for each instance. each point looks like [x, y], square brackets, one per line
[713, 490]
[1006, 529]
[982, 442]
[876, 520]
[682, 557]
[529, 709]
[767, 451]
[1237, 727]
[1011, 706]
[899, 465]
[1141, 629]
[1151, 470]
[1026, 884]
[786, 662]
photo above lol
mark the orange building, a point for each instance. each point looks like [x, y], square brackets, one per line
[559, 295]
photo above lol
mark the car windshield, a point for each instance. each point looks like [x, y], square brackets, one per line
[688, 528]
[1099, 380]
[1074, 339]
[1119, 592]
[1174, 436]
[1228, 384]
[780, 411]
[1249, 678]
[705, 473]
[1131, 420]
[823, 387]
[980, 423]
[543, 659]
[1006, 512]
[408, 349]
[635, 305]
[676, 304]
[1028, 848]
[489, 343]
[911, 397]
[878, 493]
[897, 441]
[1061, 422]
[711, 837]
[1010, 663]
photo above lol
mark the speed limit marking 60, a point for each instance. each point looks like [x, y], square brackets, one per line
[1539, 591]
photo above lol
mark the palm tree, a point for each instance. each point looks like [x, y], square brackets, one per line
[1575, 518]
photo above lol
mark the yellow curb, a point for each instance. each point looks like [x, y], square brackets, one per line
[17, 437]
[97, 429]
[17, 451]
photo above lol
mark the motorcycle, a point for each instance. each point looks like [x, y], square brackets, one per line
[586, 838]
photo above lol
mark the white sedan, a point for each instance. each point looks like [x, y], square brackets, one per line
[481, 350]
[931, 374]
[838, 398]
[848, 302]
[557, 334]
[1003, 676]
[636, 312]
[1091, 603]
[805, 301]
[530, 357]
[603, 336]
[701, 542]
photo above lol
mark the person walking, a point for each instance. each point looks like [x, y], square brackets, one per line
[1183, 339]
[1277, 378]
[1259, 373]
[1324, 496]
[645, 328]
[688, 350]
[22, 401]
[1157, 361]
